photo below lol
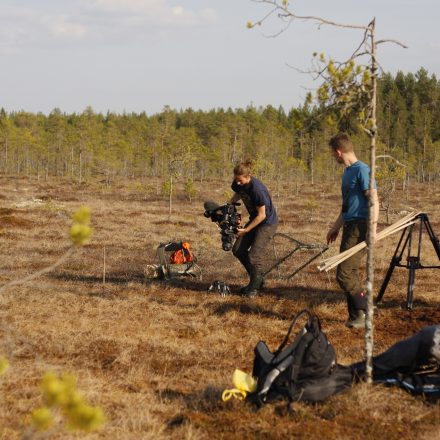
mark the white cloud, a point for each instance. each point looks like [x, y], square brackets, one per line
[20, 27]
[127, 6]
[155, 12]
[61, 27]
[94, 20]
[208, 14]
[178, 10]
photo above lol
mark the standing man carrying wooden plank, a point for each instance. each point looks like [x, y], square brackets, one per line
[354, 220]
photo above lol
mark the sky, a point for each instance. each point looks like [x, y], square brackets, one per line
[141, 55]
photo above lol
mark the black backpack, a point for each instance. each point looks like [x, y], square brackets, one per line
[305, 369]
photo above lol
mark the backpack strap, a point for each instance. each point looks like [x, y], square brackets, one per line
[173, 246]
[314, 326]
[272, 375]
[289, 355]
[297, 362]
[299, 346]
[295, 319]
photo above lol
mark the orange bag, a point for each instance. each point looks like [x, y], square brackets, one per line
[183, 255]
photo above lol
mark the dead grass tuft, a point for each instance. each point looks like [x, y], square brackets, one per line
[14, 221]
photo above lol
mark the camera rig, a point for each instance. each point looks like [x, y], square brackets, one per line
[227, 218]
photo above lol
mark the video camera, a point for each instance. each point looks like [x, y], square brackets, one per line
[227, 219]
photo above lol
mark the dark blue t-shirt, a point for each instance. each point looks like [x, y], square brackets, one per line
[256, 194]
[355, 181]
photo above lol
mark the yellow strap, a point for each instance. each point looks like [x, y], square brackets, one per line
[233, 392]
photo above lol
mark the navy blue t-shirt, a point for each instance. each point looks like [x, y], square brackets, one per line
[256, 194]
[355, 181]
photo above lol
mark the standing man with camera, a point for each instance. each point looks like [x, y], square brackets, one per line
[353, 219]
[254, 238]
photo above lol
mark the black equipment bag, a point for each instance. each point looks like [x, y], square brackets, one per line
[419, 383]
[412, 364]
[305, 369]
[406, 356]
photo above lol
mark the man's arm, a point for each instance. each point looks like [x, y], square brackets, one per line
[261, 215]
[333, 232]
[235, 198]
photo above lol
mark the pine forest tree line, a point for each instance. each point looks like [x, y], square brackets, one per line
[286, 146]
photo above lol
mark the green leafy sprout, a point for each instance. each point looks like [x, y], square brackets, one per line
[60, 392]
[80, 231]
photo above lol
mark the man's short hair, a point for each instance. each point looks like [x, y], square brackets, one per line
[243, 168]
[341, 142]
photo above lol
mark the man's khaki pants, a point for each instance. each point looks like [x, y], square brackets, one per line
[348, 272]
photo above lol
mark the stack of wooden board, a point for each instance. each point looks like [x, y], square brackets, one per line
[403, 223]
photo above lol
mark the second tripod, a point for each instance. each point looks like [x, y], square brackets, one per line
[413, 259]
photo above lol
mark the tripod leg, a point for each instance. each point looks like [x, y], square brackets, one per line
[280, 261]
[394, 262]
[303, 266]
[411, 279]
[434, 240]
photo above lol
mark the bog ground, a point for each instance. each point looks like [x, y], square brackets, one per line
[156, 356]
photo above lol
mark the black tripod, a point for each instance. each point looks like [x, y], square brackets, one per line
[413, 262]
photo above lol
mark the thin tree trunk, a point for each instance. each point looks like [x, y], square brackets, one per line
[369, 325]
[103, 268]
[71, 163]
[6, 154]
[170, 198]
[80, 168]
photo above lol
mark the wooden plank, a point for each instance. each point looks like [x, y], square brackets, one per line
[403, 223]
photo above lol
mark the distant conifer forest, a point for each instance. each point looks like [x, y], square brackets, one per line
[286, 145]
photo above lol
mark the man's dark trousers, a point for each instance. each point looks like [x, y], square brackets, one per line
[348, 273]
[258, 240]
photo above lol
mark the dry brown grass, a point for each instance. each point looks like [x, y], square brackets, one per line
[156, 355]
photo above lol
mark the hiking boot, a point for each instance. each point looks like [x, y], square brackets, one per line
[358, 321]
[255, 283]
[245, 289]
[251, 293]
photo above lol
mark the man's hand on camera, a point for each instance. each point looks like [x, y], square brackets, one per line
[241, 232]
